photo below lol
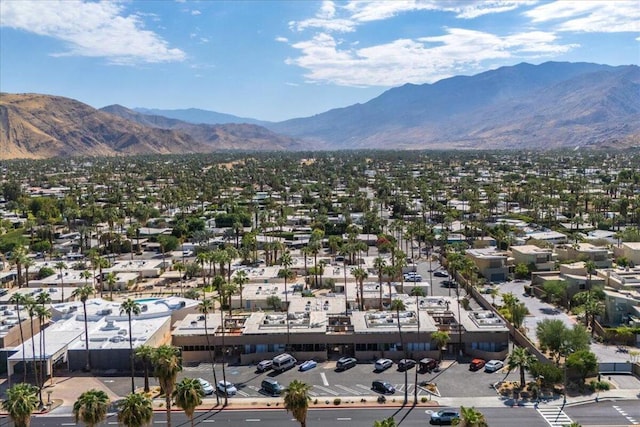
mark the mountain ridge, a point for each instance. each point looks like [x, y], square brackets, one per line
[525, 106]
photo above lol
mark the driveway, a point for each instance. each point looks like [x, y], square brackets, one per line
[540, 310]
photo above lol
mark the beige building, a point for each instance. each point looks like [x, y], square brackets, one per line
[311, 331]
[600, 256]
[542, 259]
[491, 264]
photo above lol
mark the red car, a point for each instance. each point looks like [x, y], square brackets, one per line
[476, 364]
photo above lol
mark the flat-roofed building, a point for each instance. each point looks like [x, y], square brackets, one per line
[108, 334]
[540, 259]
[319, 328]
[491, 264]
[600, 256]
[553, 237]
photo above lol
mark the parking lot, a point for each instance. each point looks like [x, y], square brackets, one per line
[454, 380]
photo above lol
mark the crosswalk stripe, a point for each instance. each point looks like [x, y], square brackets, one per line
[554, 416]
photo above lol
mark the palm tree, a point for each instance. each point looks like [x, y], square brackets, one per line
[521, 359]
[61, 266]
[188, 396]
[470, 417]
[296, 400]
[417, 292]
[389, 271]
[83, 293]
[241, 279]
[379, 263]
[31, 306]
[205, 307]
[21, 401]
[387, 422]
[111, 278]
[441, 339]
[20, 300]
[131, 307]
[360, 275]
[91, 407]
[135, 410]
[166, 360]
[43, 299]
[145, 353]
[398, 305]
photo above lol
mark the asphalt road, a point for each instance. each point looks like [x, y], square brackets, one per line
[347, 417]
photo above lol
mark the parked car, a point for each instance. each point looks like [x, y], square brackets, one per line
[476, 364]
[345, 363]
[448, 283]
[206, 386]
[264, 365]
[308, 364]
[428, 364]
[382, 364]
[271, 387]
[406, 364]
[382, 387]
[445, 416]
[440, 273]
[225, 387]
[414, 278]
[493, 365]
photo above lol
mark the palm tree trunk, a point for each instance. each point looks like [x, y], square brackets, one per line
[167, 402]
[213, 362]
[133, 386]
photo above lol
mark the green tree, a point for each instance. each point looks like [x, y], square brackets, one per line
[521, 271]
[188, 396]
[296, 400]
[583, 361]
[91, 407]
[83, 293]
[441, 338]
[240, 279]
[135, 410]
[167, 363]
[145, 354]
[131, 308]
[360, 274]
[274, 302]
[470, 417]
[387, 422]
[21, 401]
[521, 359]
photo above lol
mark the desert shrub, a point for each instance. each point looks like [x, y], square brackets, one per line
[337, 401]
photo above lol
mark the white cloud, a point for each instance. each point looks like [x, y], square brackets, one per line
[282, 39]
[422, 60]
[589, 16]
[90, 29]
[195, 12]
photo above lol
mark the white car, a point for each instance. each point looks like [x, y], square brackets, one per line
[382, 364]
[493, 365]
[206, 386]
[225, 387]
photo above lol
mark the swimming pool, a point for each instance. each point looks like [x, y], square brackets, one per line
[141, 300]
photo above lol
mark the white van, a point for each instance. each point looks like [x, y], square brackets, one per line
[284, 361]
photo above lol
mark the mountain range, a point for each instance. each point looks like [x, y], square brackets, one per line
[551, 105]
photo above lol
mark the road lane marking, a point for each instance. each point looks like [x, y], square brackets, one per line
[253, 420]
[347, 389]
[208, 421]
[343, 419]
[324, 378]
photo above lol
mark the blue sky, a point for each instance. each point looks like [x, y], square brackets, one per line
[275, 60]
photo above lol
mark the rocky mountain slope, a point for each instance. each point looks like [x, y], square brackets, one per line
[524, 106]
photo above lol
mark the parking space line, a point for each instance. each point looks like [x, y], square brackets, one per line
[327, 390]
[324, 378]
[347, 389]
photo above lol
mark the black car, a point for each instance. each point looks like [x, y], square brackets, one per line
[440, 273]
[406, 364]
[345, 363]
[448, 283]
[428, 364]
[382, 387]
